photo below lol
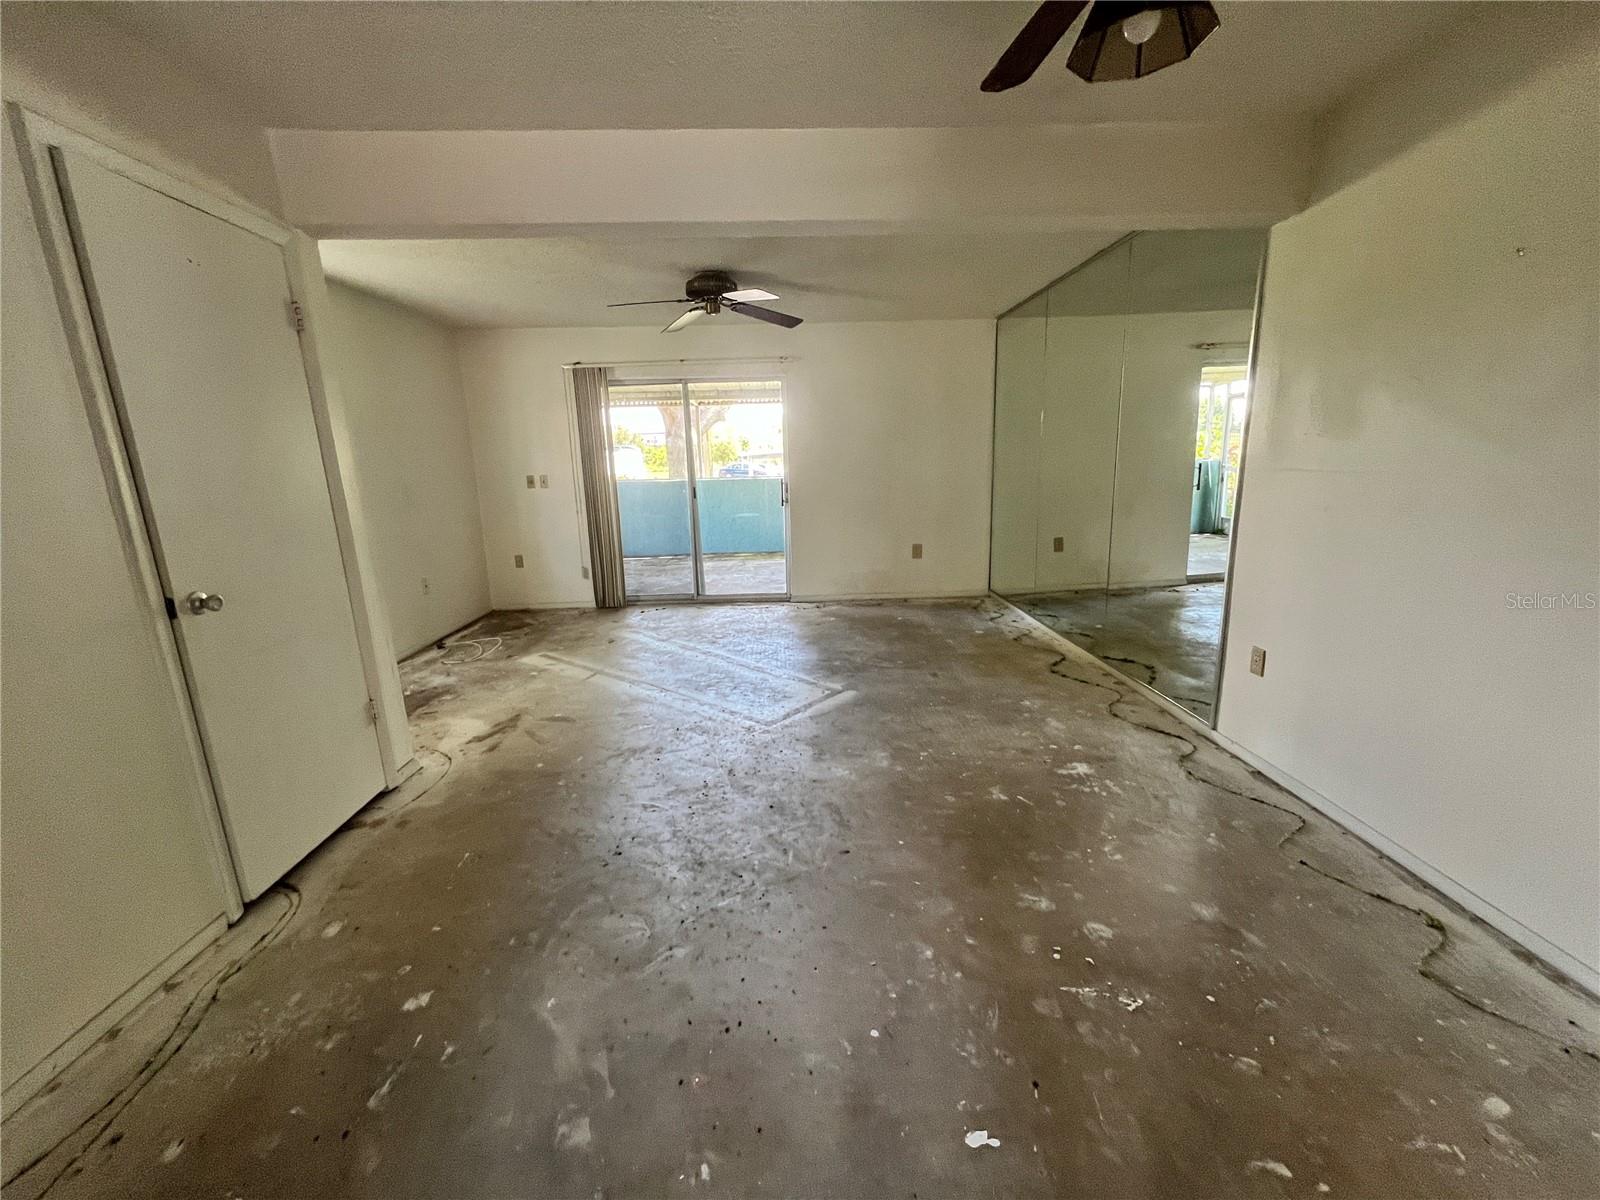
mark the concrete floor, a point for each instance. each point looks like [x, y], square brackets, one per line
[1208, 554]
[797, 900]
[1166, 638]
[726, 575]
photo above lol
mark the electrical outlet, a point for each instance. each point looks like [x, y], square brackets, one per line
[586, 572]
[1258, 661]
[544, 481]
[517, 558]
[533, 482]
[916, 549]
[1060, 545]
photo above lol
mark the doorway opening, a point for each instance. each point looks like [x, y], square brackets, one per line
[701, 490]
[1219, 440]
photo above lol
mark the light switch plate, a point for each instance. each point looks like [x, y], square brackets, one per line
[517, 558]
[1258, 661]
[916, 549]
[1060, 545]
[544, 481]
[532, 481]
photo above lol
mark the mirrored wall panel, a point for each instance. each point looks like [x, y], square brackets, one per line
[1120, 400]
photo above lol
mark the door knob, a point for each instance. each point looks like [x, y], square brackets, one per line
[201, 603]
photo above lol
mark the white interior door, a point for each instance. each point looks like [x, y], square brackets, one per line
[193, 316]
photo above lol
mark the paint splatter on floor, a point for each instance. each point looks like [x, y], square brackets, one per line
[644, 923]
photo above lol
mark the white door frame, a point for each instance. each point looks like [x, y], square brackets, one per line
[37, 136]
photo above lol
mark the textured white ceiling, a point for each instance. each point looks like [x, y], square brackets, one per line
[567, 281]
[356, 65]
[463, 66]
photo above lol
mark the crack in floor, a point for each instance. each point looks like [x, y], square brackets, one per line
[1191, 748]
[194, 1013]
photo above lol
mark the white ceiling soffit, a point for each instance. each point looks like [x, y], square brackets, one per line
[517, 282]
[841, 64]
[692, 182]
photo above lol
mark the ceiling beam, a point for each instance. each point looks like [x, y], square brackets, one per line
[768, 181]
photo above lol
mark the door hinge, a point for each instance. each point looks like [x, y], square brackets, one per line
[297, 315]
[172, 608]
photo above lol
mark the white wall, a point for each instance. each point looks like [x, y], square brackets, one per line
[398, 375]
[1426, 442]
[888, 430]
[103, 848]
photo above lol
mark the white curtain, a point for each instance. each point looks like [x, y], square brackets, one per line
[599, 488]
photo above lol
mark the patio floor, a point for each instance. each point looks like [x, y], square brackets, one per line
[1208, 555]
[726, 575]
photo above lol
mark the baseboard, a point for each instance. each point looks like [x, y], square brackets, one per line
[1145, 585]
[30, 1082]
[429, 643]
[541, 606]
[1574, 968]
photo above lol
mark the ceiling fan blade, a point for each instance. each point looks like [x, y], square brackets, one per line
[1030, 47]
[764, 314]
[745, 295]
[631, 303]
[694, 314]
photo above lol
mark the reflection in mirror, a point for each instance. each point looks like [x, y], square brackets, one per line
[1120, 406]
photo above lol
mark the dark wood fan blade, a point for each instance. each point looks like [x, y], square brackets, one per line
[631, 303]
[1030, 47]
[771, 316]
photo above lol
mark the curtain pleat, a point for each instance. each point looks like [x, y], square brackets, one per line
[599, 489]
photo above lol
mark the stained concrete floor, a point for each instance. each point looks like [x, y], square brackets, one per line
[1166, 638]
[794, 900]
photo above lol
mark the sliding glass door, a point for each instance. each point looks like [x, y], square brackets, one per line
[649, 458]
[701, 491]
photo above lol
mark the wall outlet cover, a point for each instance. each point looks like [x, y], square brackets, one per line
[1060, 545]
[916, 549]
[517, 558]
[544, 481]
[1258, 661]
[532, 481]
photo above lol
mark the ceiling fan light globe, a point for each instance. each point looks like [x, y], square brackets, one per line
[1104, 53]
[1141, 26]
